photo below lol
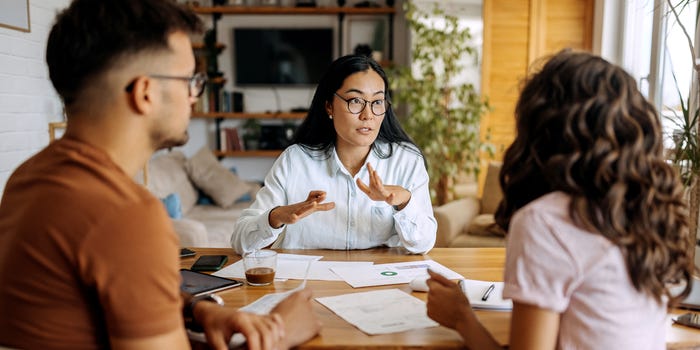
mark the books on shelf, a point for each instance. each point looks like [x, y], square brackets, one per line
[229, 140]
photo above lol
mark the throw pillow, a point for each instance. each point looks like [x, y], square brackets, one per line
[203, 199]
[485, 225]
[212, 178]
[167, 174]
[173, 205]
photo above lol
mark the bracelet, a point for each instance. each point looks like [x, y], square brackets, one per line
[188, 311]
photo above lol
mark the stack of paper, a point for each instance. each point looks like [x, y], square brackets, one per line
[477, 290]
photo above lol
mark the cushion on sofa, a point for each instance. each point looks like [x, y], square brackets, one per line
[491, 195]
[173, 206]
[212, 178]
[485, 225]
[166, 175]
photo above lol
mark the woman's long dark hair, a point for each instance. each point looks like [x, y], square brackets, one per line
[584, 128]
[317, 134]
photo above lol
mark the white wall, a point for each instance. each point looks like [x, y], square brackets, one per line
[27, 98]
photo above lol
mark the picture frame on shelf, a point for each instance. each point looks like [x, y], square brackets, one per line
[362, 31]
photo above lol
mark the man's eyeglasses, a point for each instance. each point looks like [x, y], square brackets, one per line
[356, 105]
[195, 83]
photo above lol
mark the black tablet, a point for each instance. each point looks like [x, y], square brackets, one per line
[197, 283]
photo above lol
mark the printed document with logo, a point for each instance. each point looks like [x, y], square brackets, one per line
[395, 273]
[381, 311]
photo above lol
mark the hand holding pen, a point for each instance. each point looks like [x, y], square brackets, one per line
[446, 304]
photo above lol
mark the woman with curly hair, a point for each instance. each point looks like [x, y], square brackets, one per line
[596, 221]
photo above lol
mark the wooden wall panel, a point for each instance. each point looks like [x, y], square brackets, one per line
[516, 34]
[506, 25]
[568, 24]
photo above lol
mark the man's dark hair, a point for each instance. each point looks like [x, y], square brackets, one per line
[90, 35]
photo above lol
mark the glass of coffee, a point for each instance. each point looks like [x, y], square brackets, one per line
[260, 266]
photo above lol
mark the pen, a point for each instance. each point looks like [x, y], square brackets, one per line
[462, 286]
[488, 292]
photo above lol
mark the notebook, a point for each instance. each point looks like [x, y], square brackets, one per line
[483, 296]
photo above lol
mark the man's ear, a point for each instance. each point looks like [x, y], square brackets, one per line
[141, 95]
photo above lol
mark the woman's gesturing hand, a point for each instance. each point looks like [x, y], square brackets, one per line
[289, 214]
[377, 191]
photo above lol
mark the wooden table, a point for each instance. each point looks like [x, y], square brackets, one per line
[473, 263]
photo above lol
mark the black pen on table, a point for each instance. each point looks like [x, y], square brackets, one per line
[488, 292]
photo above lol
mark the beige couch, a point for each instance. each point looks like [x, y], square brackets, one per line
[469, 221]
[202, 225]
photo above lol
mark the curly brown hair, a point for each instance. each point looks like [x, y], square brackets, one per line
[584, 128]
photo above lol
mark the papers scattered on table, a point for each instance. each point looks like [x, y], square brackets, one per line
[294, 266]
[384, 274]
[267, 302]
[475, 290]
[380, 312]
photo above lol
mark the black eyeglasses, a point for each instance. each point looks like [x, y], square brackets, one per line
[356, 105]
[195, 83]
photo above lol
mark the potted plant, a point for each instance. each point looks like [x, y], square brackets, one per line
[444, 116]
[685, 154]
[251, 134]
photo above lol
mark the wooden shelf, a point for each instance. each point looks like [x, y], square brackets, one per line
[200, 46]
[216, 81]
[256, 153]
[277, 10]
[239, 115]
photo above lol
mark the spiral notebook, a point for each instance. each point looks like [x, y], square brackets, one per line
[485, 295]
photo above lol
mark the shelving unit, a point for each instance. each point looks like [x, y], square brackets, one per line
[217, 11]
[240, 115]
[279, 10]
[256, 153]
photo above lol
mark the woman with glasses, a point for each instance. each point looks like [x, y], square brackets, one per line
[352, 179]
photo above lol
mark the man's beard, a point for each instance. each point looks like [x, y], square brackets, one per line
[162, 143]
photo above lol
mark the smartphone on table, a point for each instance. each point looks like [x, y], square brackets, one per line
[186, 253]
[690, 319]
[209, 263]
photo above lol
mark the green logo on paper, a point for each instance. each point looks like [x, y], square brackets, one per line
[388, 273]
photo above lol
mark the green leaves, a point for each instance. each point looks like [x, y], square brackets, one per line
[444, 114]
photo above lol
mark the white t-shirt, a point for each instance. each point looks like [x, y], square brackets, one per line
[555, 265]
[356, 222]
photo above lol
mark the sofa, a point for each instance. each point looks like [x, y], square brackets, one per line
[203, 198]
[469, 221]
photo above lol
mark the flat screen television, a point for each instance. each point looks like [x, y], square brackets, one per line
[281, 56]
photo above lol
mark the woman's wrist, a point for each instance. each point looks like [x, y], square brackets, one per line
[403, 203]
[272, 221]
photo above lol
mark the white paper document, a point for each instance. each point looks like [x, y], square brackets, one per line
[477, 291]
[381, 311]
[385, 274]
[289, 266]
[296, 269]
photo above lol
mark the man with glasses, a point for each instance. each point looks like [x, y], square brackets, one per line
[88, 258]
[352, 179]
